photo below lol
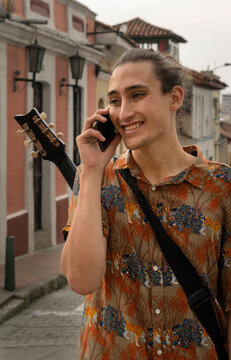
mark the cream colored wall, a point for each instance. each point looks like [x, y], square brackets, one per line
[101, 92]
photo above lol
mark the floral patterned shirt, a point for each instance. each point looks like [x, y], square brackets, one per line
[140, 312]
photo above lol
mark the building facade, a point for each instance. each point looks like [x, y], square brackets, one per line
[226, 107]
[149, 36]
[34, 195]
[226, 135]
[201, 123]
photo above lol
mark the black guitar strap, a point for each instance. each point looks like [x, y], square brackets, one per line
[197, 294]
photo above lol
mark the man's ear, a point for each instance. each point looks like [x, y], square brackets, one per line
[176, 98]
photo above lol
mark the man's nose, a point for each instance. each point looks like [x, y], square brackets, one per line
[126, 111]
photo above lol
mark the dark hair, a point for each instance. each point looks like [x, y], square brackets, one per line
[166, 68]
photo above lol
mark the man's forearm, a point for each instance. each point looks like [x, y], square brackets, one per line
[84, 254]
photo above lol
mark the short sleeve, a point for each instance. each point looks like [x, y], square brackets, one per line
[72, 207]
[226, 252]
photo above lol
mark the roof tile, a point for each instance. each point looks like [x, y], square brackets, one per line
[138, 28]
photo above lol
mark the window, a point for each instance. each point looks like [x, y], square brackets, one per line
[40, 7]
[77, 23]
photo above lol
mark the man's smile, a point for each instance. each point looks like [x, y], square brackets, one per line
[132, 126]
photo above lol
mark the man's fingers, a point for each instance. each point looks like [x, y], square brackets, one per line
[89, 134]
[99, 115]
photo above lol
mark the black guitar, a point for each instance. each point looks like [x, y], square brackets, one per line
[48, 144]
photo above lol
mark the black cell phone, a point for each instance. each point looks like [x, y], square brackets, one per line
[108, 130]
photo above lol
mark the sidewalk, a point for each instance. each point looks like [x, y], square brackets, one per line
[35, 275]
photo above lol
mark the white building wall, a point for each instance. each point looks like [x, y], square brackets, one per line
[202, 113]
[198, 128]
[174, 49]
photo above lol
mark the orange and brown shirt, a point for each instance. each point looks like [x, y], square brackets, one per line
[140, 311]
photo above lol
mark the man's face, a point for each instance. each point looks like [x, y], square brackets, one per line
[137, 106]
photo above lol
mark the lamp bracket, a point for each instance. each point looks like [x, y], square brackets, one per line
[61, 85]
[16, 78]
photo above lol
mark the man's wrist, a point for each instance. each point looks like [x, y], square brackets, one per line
[96, 172]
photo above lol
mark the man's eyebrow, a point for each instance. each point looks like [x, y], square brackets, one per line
[129, 88]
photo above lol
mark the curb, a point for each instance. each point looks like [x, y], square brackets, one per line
[23, 297]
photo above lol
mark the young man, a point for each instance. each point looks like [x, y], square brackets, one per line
[135, 308]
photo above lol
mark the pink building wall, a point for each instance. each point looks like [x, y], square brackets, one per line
[90, 23]
[60, 16]
[16, 104]
[19, 7]
[17, 225]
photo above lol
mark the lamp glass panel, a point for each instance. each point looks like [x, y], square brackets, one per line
[35, 54]
[77, 65]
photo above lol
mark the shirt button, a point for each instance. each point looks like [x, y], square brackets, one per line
[153, 188]
[159, 352]
[157, 311]
[155, 268]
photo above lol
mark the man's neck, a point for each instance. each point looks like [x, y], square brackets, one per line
[158, 162]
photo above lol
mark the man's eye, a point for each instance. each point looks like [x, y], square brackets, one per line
[113, 101]
[137, 95]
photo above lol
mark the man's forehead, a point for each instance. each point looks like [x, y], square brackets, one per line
[135, 86]
[131, 75]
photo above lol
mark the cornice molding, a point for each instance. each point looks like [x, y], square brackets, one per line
[53, 40]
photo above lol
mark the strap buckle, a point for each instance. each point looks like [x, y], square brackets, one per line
[198, 298]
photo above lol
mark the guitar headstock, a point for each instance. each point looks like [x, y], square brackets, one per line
[48, 144]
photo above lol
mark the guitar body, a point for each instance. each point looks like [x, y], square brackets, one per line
[49, 145]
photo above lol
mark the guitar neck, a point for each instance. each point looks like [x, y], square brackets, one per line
[66, 167]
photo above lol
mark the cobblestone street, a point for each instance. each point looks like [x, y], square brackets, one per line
[47, 330]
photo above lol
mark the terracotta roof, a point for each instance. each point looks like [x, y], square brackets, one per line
[139, 29]
[226, 129]
[206, 80]
[124, 36]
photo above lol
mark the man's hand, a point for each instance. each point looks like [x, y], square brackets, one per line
[90, 153]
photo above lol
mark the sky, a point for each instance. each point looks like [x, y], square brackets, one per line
[205, 24]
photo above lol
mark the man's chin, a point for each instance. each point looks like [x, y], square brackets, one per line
[134, 146]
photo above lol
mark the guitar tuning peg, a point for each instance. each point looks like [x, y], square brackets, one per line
[34, 154]
[51, 125]
[43, 116]
[59, 135]
[28, 142]
[21, 132]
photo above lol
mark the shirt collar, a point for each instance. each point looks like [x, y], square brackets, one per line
[195, 174]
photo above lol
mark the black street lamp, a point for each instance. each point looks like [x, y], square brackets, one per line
[34, 54]
[77, 65]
